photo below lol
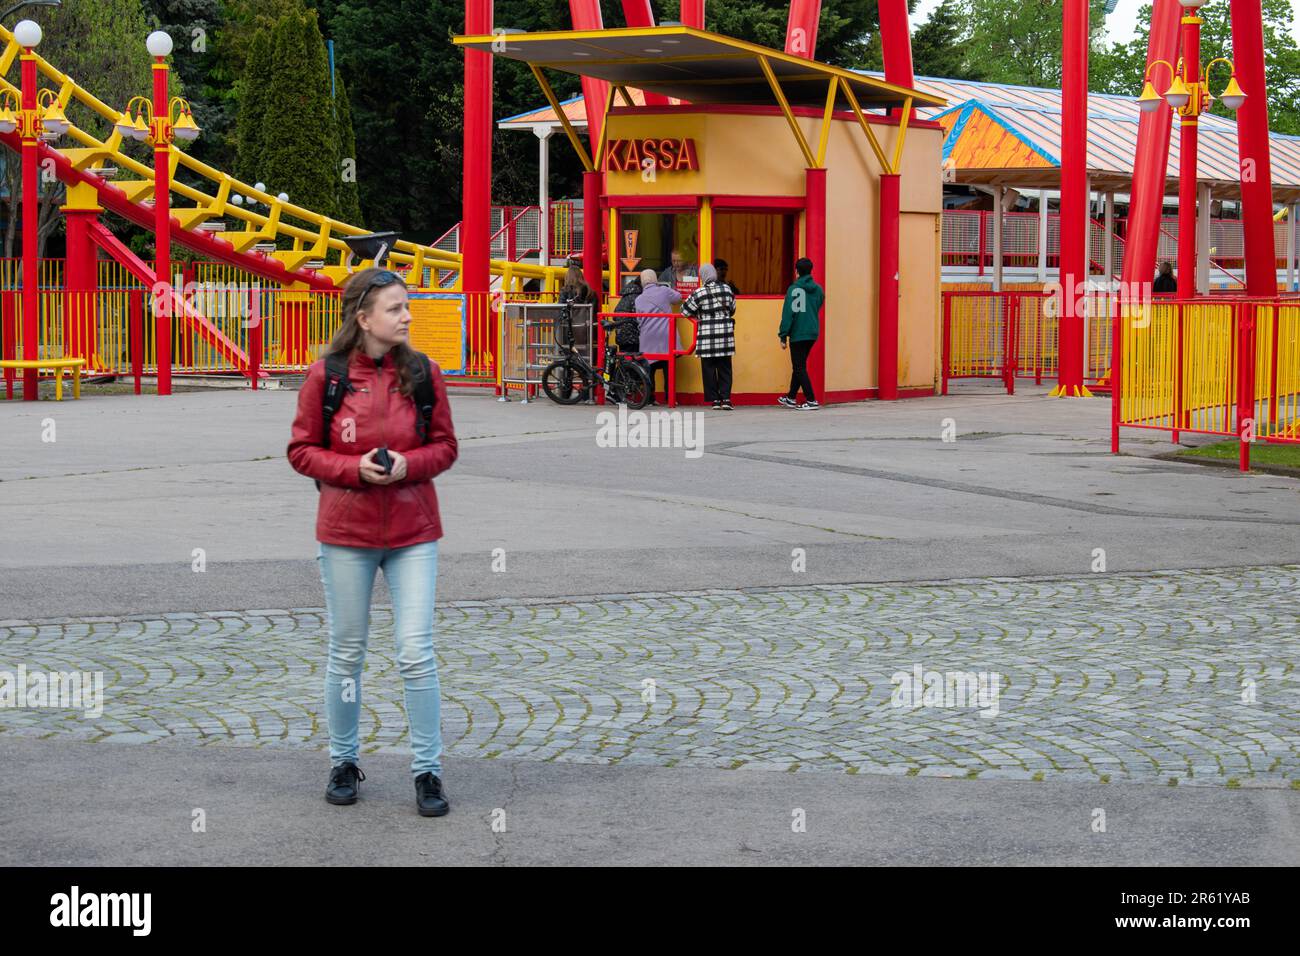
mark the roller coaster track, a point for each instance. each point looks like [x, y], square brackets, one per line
[316, 239]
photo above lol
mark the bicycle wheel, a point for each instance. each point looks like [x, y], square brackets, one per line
[566, 382]
[630, 383]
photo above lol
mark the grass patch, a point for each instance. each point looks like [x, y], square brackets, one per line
[1261, 453]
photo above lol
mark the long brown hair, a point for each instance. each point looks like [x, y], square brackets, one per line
[351, 336]
[576, 283]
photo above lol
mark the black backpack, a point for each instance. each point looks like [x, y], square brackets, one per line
[628, 337]
[337, 385]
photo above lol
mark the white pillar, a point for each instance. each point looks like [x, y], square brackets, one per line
[997, 238]
[544, 193]
[1110, 236]
[1203, 238]
[1042, 235]
[1292, 257]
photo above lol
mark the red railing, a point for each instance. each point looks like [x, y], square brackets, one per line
[1015, 334]
[665, 324]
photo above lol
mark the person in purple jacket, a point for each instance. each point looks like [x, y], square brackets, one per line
[656, 296]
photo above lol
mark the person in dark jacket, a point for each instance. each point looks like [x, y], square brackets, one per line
[1165, 281]
[723, 268]
[575, 288]
[801, 326]
[370, 518]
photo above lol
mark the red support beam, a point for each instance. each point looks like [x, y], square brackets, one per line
[162, 229]
[801, 31]
[887, 314]
[476, 188]
[896, 42]
[1187, 156]
[592, 217]
[692, 14]
[80, 280]
[586, 16]
[1074, 193]
[1151, 159]
[815, 249]
[637, 13]
[1253, 147]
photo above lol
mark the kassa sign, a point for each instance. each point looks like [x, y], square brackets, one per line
[665, 155]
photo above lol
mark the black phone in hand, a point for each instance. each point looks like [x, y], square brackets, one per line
[384, 460]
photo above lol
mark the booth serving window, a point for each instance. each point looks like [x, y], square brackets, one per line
[659, 234]
[758, 248]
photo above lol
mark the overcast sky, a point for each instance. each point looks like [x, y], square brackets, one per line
[1120, 25]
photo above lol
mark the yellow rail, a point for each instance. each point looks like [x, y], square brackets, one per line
[318, 239]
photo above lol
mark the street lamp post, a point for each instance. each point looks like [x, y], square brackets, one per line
[160, 129]
[1187, 147]
[1189, 96]
[28, 35]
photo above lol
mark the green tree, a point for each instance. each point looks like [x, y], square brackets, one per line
[298, 142]
[1019, 41]
[349, 196]
[941, 45]
[254, 98]
[1121, 68]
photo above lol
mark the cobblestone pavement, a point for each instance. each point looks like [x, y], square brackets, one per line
[1180, 678]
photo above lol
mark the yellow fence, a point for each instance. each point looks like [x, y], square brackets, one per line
[1220, 367]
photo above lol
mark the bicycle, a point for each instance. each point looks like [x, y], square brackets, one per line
[570, 378]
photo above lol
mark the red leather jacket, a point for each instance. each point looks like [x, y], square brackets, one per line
[355, 512]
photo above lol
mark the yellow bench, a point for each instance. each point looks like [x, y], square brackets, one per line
[57, 365]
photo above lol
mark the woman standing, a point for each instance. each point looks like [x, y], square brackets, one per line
[373, 427]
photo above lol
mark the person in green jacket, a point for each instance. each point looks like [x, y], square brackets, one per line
[800, 324]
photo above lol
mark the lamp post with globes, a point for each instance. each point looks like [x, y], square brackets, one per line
[1189, 96]
[153, 122]
[33, 123]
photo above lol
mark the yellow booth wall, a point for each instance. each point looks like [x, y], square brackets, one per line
[744, 154]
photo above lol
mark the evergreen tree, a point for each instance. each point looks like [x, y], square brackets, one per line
[940, 45]
[254, 96]
[349, 196]
[299, 135]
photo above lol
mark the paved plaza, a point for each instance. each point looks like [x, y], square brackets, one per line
[700, 646]
[1123, 678]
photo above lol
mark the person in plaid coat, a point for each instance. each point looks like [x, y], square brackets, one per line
[714, 306]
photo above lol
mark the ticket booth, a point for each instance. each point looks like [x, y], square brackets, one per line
[758, 157]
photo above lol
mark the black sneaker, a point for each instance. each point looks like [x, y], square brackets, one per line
[787, 401]
[726, 406]
[717, 406]
[343, 785]
[429, 798]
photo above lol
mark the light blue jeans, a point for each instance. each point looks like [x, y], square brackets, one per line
[348, 575]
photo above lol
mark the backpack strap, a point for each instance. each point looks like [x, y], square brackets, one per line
[336, 386]
[422, 395]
